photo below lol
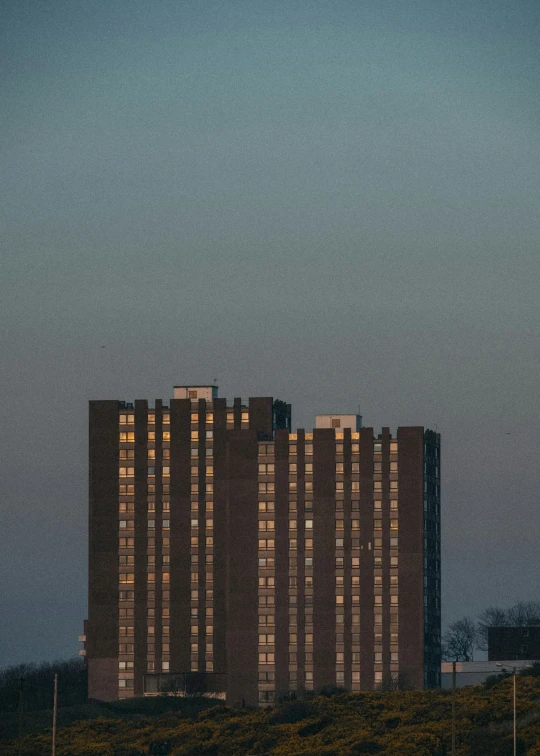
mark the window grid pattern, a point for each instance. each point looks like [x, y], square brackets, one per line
[293, 565]
[386, 596]
[126, 554]
[266, 573]
[307, 528]
[355, 562]
[394, 587]
[165, 541]
[151, 606]
[202, 540]
[209, 541]
[340, 559]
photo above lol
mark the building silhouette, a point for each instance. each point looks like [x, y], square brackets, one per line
[230, 553]
[514, 643]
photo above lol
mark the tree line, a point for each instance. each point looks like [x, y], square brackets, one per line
[465, 635]
[36, 681]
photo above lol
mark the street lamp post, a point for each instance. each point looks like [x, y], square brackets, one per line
[502, 666]
[454, 708]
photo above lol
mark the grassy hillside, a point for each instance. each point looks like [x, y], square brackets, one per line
[396, 723]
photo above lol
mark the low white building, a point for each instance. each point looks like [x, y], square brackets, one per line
[475, 673]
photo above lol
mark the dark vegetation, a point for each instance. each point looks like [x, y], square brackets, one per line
[37, 682]
[336, 723]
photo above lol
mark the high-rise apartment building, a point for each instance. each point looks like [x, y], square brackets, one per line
[222, 543]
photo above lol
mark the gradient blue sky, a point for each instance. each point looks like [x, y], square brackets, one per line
[334, 203]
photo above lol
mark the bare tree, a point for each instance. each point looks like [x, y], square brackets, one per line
[459, 640]
[493, 616]
[524, 614]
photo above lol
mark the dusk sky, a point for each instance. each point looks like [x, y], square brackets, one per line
[335, 203]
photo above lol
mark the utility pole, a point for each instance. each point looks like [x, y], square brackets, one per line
[21, 680]
[515, 730]
[55, 708]
[453, 708]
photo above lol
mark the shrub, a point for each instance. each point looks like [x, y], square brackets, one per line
[532, 671]
[312, 728]
[293, 712]
[367, 746]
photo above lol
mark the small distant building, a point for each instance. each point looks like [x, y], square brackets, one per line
[476, 673]
[514, 643]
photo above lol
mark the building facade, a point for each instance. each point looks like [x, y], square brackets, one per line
[513, 643]
[223, 543]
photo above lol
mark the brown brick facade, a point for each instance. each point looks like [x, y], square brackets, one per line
[277, 561]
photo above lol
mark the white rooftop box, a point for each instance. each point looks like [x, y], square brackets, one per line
[196, 392]
[354, 422]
